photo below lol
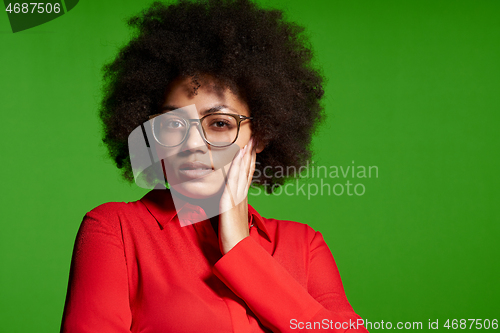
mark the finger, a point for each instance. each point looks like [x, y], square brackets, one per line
[245, 169]
[233, 173]
[243, 174]
[252, 170]
[251, 164]
[246, 174]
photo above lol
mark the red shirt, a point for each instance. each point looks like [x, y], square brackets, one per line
[136, 269]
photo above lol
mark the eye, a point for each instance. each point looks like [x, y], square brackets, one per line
[173, 124]
[220, 123]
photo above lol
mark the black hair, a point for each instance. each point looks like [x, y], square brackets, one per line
[253, 51]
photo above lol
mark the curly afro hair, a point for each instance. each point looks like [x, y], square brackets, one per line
[253, 51]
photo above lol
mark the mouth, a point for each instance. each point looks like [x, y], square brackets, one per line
[194, 170]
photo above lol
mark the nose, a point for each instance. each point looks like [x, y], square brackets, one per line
[194, 141]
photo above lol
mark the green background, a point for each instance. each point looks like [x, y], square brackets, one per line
[413, 88]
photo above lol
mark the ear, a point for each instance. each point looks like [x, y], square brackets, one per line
[260, 147]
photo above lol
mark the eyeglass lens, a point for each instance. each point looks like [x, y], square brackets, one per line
[218, 129]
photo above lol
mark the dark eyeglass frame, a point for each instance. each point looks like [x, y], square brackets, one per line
[238, 117]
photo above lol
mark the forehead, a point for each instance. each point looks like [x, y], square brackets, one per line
[206, 95]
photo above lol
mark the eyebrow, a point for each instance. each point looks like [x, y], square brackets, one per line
[204, 112]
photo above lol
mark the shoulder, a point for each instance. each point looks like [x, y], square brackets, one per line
[114, 214]
[286, 230]
[293, 227]
[113, 210]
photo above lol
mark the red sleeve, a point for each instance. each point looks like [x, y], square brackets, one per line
[278, 300]
[97, 298]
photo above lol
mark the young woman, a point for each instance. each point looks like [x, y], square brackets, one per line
[212, 88]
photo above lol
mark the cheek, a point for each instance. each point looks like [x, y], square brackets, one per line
[244, 137]
[165, 153]
[167, 158]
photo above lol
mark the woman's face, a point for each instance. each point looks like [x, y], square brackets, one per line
[194, 168]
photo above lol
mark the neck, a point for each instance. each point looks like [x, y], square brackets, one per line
[210, 205]
[214, 221]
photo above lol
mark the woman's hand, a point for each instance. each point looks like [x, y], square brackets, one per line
[233, 222]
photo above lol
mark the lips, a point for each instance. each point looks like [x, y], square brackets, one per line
[194, 169]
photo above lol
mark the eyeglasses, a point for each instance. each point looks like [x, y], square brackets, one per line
[217, 129]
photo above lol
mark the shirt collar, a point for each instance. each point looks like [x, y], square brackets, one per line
[160, 204]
